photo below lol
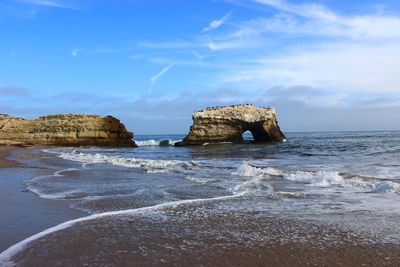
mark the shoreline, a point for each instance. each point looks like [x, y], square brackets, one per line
[183, 237]
[24, 213]
[179, 233]
[5, 152]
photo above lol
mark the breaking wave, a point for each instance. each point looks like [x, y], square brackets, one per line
[153, 142]
[247, 170]
[261, 175]
[150, 165]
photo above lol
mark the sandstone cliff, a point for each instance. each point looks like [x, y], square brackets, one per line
[65, 130]
[227, 124]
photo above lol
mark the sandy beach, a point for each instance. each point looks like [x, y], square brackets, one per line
[189, 235]
[23, 213]
[4, 153]
[213, 230]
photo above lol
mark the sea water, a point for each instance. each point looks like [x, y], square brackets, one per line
[349, 180]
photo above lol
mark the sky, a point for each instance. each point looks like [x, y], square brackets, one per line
[324, 65]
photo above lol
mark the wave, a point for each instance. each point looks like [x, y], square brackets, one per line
[261, 175]
[153, 142]
[247, 170]
[258, 186]
[150, 165]
[30, 184]
[217, 143]
[377, 185]
[202, 180]
[332, 178]
[319, 178]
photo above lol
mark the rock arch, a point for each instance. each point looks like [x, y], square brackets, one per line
[227, 124]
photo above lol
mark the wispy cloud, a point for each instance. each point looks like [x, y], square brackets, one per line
[233, 43]
[49, 3]
[74, 52]
[215, 24]
[177, 61]
[320, 20]
[320, 48]
[341, 66]
[165, 45]
[307, 10]
[309, 96]
[199, 56]
[161, 73]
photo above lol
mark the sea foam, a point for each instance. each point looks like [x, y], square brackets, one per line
[153, 142]
[247, 170]
[150, 165]
[319, 178]
[314, 178]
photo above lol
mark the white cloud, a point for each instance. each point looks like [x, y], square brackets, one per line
[342, 67]
[348, 54]
[305, 10]
[74, 52]
[161, 73]
[215, 24]
[357, 28]
[322, 21]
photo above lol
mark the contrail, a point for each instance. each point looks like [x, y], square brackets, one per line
[161, 73]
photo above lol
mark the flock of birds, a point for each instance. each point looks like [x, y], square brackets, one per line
[231, 106]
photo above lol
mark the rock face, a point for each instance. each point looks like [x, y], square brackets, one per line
[227, 124]
[65, 130]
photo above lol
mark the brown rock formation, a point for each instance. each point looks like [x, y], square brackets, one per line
[227, 124]
[65, 130]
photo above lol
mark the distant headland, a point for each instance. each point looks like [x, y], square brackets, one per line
[65, 130]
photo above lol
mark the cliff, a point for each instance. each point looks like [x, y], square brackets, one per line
[65, 130]
[227, 124]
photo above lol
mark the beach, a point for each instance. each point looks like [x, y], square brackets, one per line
[4, 153]
[230, 205]
[22, 212]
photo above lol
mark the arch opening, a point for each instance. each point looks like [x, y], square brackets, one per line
[256, 134]
[247, 136]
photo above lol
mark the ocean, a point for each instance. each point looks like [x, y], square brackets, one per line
[329, 197]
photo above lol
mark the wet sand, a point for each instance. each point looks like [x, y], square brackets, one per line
[205, 234]
[210, 233]
[4, 153]
[22, 213]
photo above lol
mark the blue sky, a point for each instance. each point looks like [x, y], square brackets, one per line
[325, 65]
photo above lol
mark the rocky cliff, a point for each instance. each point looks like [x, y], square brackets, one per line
[65, 130]
[227, 124]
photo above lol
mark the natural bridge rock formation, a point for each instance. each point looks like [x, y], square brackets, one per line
[227, 124]
[65, 130]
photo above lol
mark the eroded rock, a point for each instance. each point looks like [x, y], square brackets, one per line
[227, 124]
[65, 130]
